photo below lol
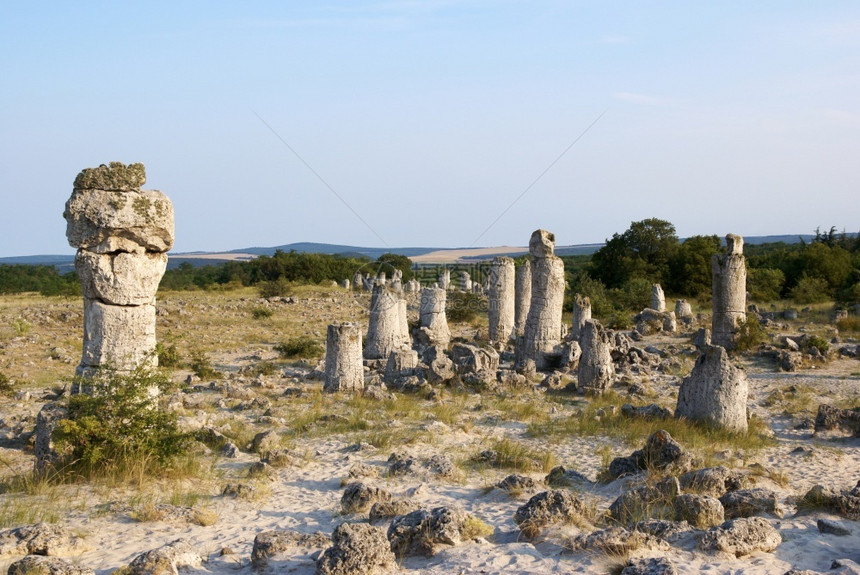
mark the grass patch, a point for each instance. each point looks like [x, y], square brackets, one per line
[201, 365]
[301, 346]
[516, 456]
[261, 313]
[848, 325]
[793, 400]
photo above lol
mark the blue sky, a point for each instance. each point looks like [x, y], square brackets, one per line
[429, 118]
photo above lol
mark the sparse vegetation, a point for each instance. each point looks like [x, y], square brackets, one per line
[168, 355]
[464, 307]
[750, 335]
[201, 365]
[261, 313]
[301, 346]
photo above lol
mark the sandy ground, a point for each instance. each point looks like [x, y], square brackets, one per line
[305, 496]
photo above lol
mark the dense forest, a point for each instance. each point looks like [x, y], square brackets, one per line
[618, 277]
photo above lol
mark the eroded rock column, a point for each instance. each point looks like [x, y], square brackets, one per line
[523, 297]
[122, 234]
[729, 292]
[715, 391]
[596, 372]
[543, 324]
[388, 328]
[658, 298]
[581, 313]
[502, 307]
[344, 370]
[433, 323]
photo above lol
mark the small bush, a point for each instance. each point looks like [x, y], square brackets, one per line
[201, 365]
[848, 325]
[6, 387]
[818, 343]
[261, 313]
[463, 307]
[302, 346]
[168, 355]
[119, 425]
[278, 288]
[265, 368]
[750, 335]
[810, 290]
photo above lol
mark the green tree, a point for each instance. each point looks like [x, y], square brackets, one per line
[644, 251]
[690, 266]
[765, 284]
[397, 261]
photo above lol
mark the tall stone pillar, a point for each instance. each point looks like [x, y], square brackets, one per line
[596, 371]
[729, 292]
[523, 297]
[501, 295]
[122, 234]
[433, 323]
[581, 313]
[543, 324]
[658, 298]
[445, 279]
[388, 328]
[344, 370]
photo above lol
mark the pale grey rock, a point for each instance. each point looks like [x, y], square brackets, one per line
[344, 369]
[358, 497]
[700, 510]
[384, 510]
[433, 323]
[831, 527]
[543, 327]
[39, 539]
[357, 549]
[715, 392]
[42, 565]
[516, 483]
[120, 336]
[424, 532]
[127, 279]
[612, 541]
[445, 279]
[683, 309]
[475, 365]
[501, 311]
[581, 313]
[45, 454]
[596, 372]
[749, 502]
[546, 508]
[402, 364]
[523, 297]
[649, 566]
[387, 328]
[729, 292]
[741, 537]
[272, 544]
[658, 298]
[465, 281]
[440, 368]
[713, 481]
[166, 560]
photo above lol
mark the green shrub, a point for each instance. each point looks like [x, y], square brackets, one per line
[301, 346]
[750, 335]
[765, 284]
[168, 355]
[818, 343]
[463, 307]
[277, 288]
[261, 313]
[119, 424]
[201, 365]
[810, 290]
[848, 324]
[6, 387]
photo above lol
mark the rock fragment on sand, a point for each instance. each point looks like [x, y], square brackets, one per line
[612, 541]
[42, 565]
[742, 536]
[832, 527]
[166, 560]
[546, 508]
[359, 497]
[649, 566]
[713, 481]
[749, 502]
[424, 532]
[272, 544]
[703, 511]
[39, 539]
[357, 549]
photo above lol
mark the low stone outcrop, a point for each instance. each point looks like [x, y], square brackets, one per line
[715, 392]
[166, 560]
[359, 497]
[273, 544]
[830, 418]
[424, 532]
[357, 549]
[700, 510]
[660, 451]
[546, 508]
[749, 502]
[741, 537]
[39, 539]
[42, 565]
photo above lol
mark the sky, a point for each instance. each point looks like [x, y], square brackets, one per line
[435, 123]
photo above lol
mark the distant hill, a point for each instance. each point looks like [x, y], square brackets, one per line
[66, 263]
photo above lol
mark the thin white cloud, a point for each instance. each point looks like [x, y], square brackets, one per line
[643, 99]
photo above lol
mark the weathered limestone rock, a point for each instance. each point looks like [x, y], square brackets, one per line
[445, 279]
[501, 312]
[440, 368]
[612, 541]
[683, 309]
[401, 364]
[358, 497]
[830, 418]
[596, 371]
[43, 447]
[650, 321]
[749, 502]
[729, 292]
[166, 560]
[713, 481]
[649, 566]
[543, 325]
[121, 278]
[546, 508]
[742, 537]
[423, 532]
[47, 566]
[357, 549]
[357, 280]
[39, 539]
[273, 544]
[433, 323]
[476, 365]
[123, 336]
[523, 297]
[345, 284]
[344, 370]
[658, 298]
[581, 313]
[703, 511]
[388, 329]
[122, 234]
[715, 391]
[465, 282]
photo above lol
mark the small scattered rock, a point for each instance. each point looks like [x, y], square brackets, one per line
[700, 510]
[358, 497]
[358, 549]
[166, 560]
[42, 565]
[547, 507]
[742, 537]
[649, 566]
[832, 527]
